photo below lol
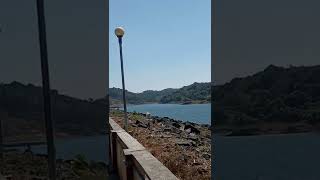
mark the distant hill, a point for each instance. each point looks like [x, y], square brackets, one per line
[148, 96]
[276, 94]
[194, 93]
[21, 108]
[21, 111]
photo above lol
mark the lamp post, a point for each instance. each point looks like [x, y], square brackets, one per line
[46, 91]
[119, 31]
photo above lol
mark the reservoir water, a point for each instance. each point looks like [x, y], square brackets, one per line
[268, 157]
[92, 147]
[198, 113]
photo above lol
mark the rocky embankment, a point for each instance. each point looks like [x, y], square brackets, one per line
[183, 147]
[26, 166]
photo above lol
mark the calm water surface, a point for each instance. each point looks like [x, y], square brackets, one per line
[269, 157]
[93, 148]
[198, 113]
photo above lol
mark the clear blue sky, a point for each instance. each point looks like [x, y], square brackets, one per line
[167, 43]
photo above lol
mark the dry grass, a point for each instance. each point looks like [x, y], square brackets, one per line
[184, 162]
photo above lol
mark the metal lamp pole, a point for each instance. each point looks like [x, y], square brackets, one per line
[46, 91]
[119, 31]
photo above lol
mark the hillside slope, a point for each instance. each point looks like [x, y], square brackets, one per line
[277, 94]
[194, 93]
[21, 112]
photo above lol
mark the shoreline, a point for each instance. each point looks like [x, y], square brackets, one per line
[177, 103]
[164, 117]
[266, 129]
[183, 147]
[250, 130]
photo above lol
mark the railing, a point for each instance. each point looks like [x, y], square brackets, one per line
[131, 160]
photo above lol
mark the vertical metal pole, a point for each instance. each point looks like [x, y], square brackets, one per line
[1, 144]
[108, 151]
[214, 42]
[46, 91]
[123, 87]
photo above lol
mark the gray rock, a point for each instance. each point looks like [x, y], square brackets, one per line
[183, 143]
[141, 124]
[194, 138]
[165, 136]
[176, 130]
[207, 156]
[177, 125]
[188, 130]
[192, 128]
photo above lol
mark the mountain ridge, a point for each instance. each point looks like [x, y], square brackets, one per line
[184, 95]
[287, 95]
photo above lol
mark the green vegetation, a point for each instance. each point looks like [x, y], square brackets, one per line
[86, 171]
[277, 94]
[194, 93]
[135, 117]
[274, 95]
[138, 98]
[18, 165]
[21, 108]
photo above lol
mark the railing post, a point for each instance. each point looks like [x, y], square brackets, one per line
[113, 144]
[129, 167]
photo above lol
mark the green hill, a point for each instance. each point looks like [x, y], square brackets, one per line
[21, 112]
[194, 93]
[276, 94]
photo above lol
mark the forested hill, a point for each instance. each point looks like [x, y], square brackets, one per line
[276, 94]
[21, 111]
[194, 93]
[138, 98]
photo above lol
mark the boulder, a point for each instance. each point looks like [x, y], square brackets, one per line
[183, 143]
[193, 137]
[177, 125]
[141, 124]
[192, 128]
[165, 136]
[167, 129]
[176, 130]
[207, 156]
[188, 130]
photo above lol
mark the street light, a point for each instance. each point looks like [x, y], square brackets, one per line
[46, 91]
[119, 32]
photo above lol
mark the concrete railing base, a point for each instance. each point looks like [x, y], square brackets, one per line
[131, 160]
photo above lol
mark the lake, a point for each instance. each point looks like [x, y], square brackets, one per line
[198, 113]
[267, 157]
[92, 147]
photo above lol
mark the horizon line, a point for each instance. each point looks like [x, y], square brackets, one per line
[160, 89]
